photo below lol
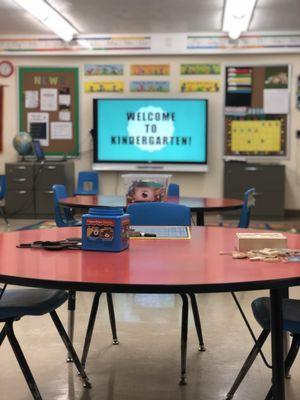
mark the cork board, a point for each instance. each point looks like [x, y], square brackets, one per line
[48, 108]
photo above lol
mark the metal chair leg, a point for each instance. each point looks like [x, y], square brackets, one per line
[70, 348]
[112, 319]
[247, 364]
[71, 319]
[290, 358]
[184, 334]
[22, 360]
[90, 328]
[197, 321]
[249, 328]
[2, 335]
[4, 216]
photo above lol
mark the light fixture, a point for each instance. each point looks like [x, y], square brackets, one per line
[50, 17]
[237, 16]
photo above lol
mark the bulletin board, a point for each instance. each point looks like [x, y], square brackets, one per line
[49, 109]
[257, 100]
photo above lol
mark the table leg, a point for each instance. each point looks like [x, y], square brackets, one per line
[71, 319]
[200, 218]
[276, 296]
[286, 336]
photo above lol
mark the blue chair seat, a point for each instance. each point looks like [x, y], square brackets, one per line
[157, 213]
[63, 215]
[290, 309]
[18, 303]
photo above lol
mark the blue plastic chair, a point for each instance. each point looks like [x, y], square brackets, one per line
[2, 196]
[170, 214]
[63, 215]
[173, 190]
[156, 213]
[249, 202]
[88, 183]
[14, 305]
[291, 324]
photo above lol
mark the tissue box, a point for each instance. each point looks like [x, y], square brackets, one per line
[258, 241]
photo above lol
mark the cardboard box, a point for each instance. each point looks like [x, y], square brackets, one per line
[259, 241]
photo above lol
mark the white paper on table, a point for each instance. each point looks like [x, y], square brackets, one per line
[64, 115]
[276, 101]
[48, 99]
[41, 119]
[61, 130]
[64, 99]
[31, 98]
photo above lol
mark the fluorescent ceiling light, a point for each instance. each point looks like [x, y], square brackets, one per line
[50, 17]
[237, 16]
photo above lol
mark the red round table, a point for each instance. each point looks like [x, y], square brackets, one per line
[154, 266]
[196, 204]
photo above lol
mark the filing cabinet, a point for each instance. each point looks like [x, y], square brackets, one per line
[29, 187]
[267, 179]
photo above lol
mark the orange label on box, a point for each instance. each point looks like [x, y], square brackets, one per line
[100, 229]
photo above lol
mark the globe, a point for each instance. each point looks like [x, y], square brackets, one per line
[22, 143]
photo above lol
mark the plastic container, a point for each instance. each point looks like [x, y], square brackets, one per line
[105, 229]
[146, 187]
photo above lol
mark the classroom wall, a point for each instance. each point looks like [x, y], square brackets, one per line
[209, 184]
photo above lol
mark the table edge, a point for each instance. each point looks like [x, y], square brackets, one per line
[151, 288]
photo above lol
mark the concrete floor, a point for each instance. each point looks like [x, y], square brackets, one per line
[146, 364]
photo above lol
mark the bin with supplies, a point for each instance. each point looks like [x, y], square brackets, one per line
[146, 187]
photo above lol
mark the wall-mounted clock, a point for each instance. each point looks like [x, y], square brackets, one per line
[6, 69]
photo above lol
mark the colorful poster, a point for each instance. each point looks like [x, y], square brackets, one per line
[238, 86]
[200, 86]
[150, 86]
[255, 136]
[107, 86]
[276, 77]
[103, 69]
[239, 80]
[150, 69]
[200, 69]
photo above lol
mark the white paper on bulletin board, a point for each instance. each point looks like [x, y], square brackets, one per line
[61, 130]
[31, 98]
[276, 101]
[48, 99]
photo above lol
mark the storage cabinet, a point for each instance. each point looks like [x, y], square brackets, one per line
[267, 179]
[29, 187]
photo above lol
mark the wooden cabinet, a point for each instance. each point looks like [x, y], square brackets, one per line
[29, 187]
[267, 179]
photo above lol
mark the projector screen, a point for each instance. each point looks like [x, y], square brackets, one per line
[150, 134]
